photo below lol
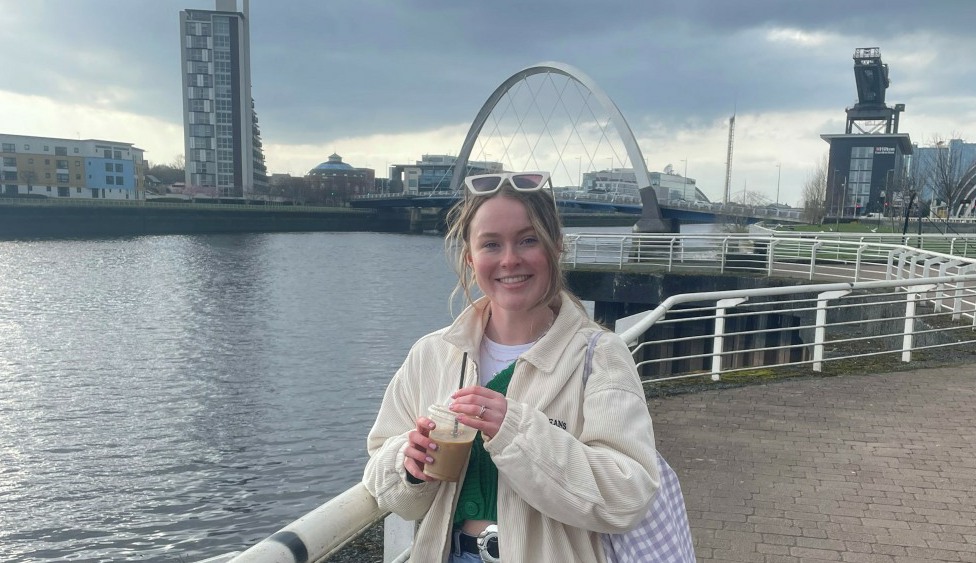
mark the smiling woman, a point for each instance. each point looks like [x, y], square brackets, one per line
[551, 466]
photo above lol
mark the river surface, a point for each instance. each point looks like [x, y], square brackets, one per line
[172, 398]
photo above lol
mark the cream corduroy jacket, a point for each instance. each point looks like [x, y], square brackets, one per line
[572, 461]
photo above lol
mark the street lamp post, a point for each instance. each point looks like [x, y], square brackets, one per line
[779, 170]
[684, 180]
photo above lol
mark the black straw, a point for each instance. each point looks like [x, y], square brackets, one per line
[464, 364]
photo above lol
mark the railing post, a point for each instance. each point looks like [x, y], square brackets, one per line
[927, 265]
[820, 330]
[671, 246]
[960, 291]
[940, 295]
[914, 293]
[719, 337]
[621, 260]
[397, 538]
[725, 250]
[813, 257]
[769, 257]
[889, 269]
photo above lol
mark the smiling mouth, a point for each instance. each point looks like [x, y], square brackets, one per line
[513, 279]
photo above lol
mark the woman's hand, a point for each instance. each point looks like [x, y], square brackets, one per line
[481, 408]
[418, 442]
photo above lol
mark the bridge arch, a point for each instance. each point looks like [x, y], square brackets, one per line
[968, 193]
[617, 118]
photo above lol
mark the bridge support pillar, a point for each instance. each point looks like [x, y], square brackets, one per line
[416, 220]
[651, 220]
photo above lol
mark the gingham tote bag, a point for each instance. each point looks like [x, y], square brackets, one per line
[663, 536]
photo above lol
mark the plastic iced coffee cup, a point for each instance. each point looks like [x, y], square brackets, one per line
[452, 449]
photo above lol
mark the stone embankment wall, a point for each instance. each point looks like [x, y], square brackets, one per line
[23, 221]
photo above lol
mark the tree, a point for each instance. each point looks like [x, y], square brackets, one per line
[815, 193]
[951, 177]
[294, 188]
[168, 174]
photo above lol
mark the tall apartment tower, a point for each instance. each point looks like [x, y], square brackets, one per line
[221, 139]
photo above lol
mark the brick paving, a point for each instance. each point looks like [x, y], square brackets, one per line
[859, 469]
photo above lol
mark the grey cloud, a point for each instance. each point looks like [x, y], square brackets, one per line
[324, 70]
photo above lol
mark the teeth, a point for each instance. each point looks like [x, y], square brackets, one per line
[513, 279]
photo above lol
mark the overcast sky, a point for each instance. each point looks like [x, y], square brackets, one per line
[383, 82]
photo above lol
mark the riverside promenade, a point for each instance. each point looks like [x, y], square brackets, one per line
[876, 468]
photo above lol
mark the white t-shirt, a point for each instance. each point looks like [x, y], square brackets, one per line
[494, 357]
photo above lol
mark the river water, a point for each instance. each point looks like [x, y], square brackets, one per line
[172, 398]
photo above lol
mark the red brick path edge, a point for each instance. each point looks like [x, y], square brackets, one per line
[861, 469]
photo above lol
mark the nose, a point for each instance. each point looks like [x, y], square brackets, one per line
[510, 257]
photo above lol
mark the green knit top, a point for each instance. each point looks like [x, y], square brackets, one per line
[479, 492]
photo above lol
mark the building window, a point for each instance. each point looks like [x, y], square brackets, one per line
[118, 155]
[26, 147]
[9, 147]
[77, 176]
[63, 178]
[76, 150]
[62, 164]
[61, 151]
[47, 148]
[118, 168]
[119, 181]
[77, 190]
[9, 161]
[47, 175]
[110, 180]
[108, 167]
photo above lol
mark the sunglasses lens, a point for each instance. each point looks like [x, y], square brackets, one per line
[486, 184]
[527, 181]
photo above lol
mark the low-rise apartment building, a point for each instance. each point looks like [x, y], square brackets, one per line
[70, 168]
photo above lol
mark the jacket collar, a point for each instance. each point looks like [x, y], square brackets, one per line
[468, 329]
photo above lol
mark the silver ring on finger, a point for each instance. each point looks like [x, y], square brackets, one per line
[483, 409]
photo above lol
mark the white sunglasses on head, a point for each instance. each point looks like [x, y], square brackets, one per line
[486, 184]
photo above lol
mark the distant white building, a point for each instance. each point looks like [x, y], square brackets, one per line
[623, 181]
[70, 168]
[433, 173]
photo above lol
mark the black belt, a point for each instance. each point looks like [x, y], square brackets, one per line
[469, 544]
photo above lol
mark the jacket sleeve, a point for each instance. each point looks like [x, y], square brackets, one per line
[605, 479]
[385, 477]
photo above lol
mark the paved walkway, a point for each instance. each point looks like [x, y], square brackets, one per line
[872, 468]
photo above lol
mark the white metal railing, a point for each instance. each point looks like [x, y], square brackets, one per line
[894, 300]
[740, 331]
[738, 209]
[824, 257]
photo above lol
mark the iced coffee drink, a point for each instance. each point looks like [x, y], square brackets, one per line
[453, 446]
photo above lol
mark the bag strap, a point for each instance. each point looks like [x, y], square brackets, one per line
[588, 362]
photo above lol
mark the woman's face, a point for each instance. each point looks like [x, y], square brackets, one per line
[509, 260]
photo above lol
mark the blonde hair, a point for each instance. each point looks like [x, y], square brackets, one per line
[541, 209]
